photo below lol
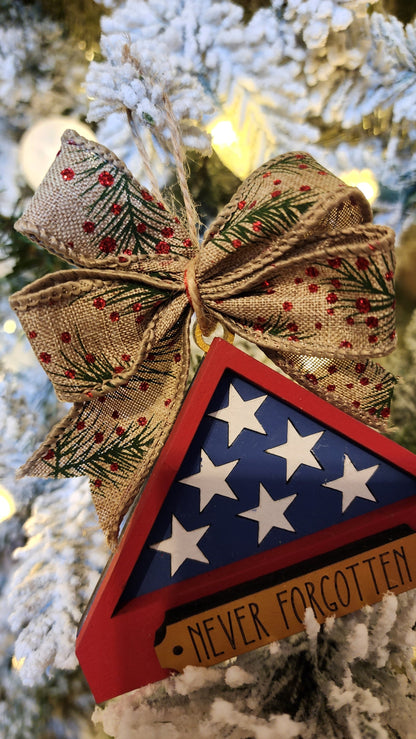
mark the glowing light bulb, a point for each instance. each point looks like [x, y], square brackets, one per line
[7, 504]
[17, 664]
[223, 134]
[9, 326]
[40, 143]
[364, 180]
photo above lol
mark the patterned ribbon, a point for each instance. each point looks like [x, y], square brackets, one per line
[293, 264]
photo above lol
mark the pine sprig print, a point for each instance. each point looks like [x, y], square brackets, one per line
[125, 216]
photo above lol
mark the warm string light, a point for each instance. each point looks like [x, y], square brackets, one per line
[7, 504]
[231, 147]
[9, 326]
[364, 180]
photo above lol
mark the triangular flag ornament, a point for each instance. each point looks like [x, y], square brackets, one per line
[293, 263]
[265, 500]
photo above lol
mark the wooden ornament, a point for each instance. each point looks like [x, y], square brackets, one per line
[265, 500]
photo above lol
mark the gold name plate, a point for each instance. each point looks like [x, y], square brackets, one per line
[237, 626]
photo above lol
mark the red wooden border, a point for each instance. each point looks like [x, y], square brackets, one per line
[116, 652]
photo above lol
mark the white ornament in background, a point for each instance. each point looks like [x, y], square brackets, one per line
[41, 142]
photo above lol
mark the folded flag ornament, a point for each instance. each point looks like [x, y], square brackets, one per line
[293, 263]
[265, 500]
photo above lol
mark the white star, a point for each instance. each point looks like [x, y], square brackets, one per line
[270, 513]
[239, 414]
[352, 484]
[211, 480]
[297, 450]
[182, 545]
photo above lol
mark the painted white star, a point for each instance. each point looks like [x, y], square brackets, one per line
[182, 545]
[297, 450]
[211, 480]
[352, 484]
[239, 414]
[270, 513]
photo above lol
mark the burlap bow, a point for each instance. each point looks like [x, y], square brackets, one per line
[293, 264]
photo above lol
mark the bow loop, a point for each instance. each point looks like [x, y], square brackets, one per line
[90, 211]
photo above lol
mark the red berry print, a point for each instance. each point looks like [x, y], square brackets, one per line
[144, 386]
[356, 403]
[126, 357]
[49, 454]
[168, 402]
[298, 280]
[371, 321]
[113, 466]
[299, 156]
[336, 283]
[372, 339]
[321, 171]
[276, 182]
[287, 305]
[363, 305]
[362, 263]
[330, 311]
[108, 244]
[161, 206]
[312, 378]
[276, 193]
[350, 320]
[80, 425]
[364, 381]
[345, 345]
[379, 386]
[146, 195]
[266, 174]
[32, 334]
[313, 288]
[333, 368]
[118, 369]
[303, 166]
[292, 326]
[98, 437]
[90, 358]
[88, 227]
[45, 357]
[389, 275]
[318, 325]
[105, 179]
[177, 357]
[142, 421]
[141, 228]
[349, 385]
[120, 431]
[360, 368]
[162, 247]
[312, 272]
[385, 413]
[114, 316]
[66, 337]
[116, 209]
[99, 303]
[70, 373]
[241, 204]
[67, 174]
[304, 188]
[167, 232]
[236, 243]
[257, 226]
[392, 336]
[330, 388]
[331, 298]
[98, 483]
[187, 243]
[372, 411]
[334, 263]
[137, 307]
[150, 357]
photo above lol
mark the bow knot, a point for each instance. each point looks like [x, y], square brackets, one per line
[292, 264]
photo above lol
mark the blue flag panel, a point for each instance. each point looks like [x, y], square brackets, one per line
[258, 473]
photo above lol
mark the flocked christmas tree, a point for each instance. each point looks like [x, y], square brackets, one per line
[335, 78]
